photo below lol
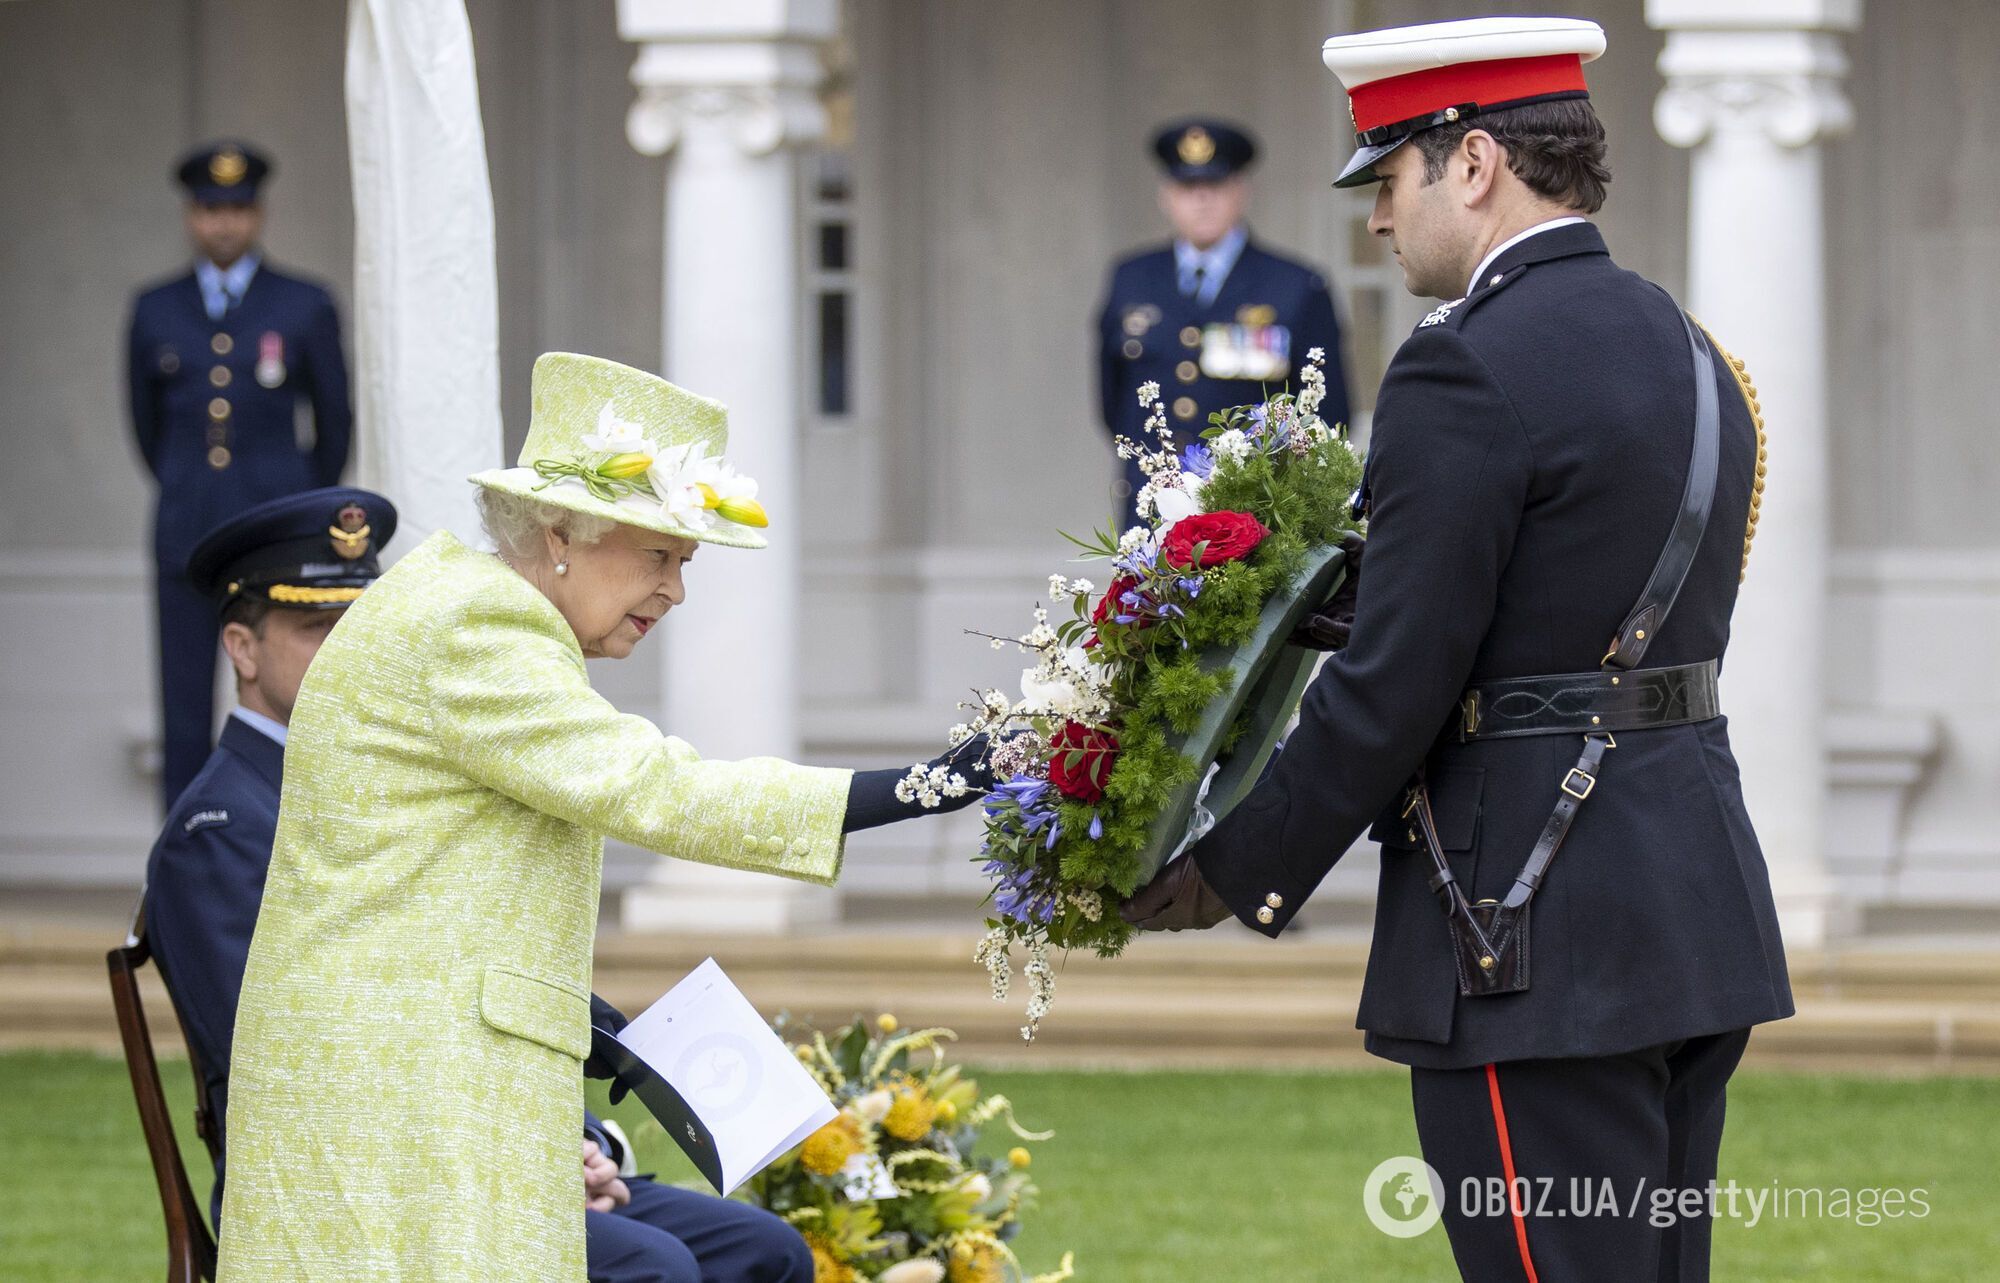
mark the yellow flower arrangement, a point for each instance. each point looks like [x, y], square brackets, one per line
[911, 1113]
[894, 1190]
[827, 1150]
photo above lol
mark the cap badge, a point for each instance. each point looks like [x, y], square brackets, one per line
[227, 167]
[350, 532]
[1196, 147]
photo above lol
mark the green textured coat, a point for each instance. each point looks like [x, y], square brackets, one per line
[406, 1098]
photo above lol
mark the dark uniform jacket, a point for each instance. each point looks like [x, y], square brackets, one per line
[204, 883]
[1530, 447]
[278, 346]
[1148, 331]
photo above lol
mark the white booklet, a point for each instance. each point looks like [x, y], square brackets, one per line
[726, 1088]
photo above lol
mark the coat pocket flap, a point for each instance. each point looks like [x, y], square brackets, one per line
[542, 1011]
[1456, 794]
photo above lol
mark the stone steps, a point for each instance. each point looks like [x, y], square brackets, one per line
[1175, 1001]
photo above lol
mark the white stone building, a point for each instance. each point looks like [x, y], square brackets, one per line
[879, 231]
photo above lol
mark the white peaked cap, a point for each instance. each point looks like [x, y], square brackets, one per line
[1403, 80]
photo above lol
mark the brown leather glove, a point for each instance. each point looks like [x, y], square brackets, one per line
[1332, 625]
[1177, 900]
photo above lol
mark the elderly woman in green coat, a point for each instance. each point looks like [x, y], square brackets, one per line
[407, 1098]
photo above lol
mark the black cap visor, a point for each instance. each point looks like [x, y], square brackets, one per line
[1361, 165]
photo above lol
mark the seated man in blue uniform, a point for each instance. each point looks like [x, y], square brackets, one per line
[220, 360]
[281, 575]
[1560, 490]
[1214, 317]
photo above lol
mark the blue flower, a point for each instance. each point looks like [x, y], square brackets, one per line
[1096, 827]
[1196, 458]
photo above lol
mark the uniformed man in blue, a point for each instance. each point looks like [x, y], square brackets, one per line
[221, 360]
[1560, 491]
[280, 576]
[1214, 317]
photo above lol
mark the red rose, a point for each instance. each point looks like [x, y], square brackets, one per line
[1227, 536]
[1081, 761]
[1111, 604]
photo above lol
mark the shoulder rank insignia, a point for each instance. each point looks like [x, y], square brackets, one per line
[1438, 316]
[204, 820]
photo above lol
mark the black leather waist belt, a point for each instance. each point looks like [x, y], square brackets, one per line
[1579, 703]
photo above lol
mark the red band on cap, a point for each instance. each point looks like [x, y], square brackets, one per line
[1385, 102]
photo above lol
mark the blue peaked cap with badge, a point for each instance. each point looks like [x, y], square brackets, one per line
[315, 550]
[223, 173]
[1203, 150]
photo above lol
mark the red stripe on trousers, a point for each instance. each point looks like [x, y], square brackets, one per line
[1507, 1166]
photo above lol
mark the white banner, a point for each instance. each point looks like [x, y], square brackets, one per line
[426, 308]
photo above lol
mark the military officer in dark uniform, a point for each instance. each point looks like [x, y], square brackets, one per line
[1560, 491]
[1214, 318]
[281, 575]
[220, 360]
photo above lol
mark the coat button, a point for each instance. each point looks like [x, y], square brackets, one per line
[218, 376]
[1275, 900]
[1190, 336]
[1133, 349]
[1187, 371]
[218, 457]
[221, 344]
[1265, 916]
[218, 407]
[1184, 407]
[774, 846]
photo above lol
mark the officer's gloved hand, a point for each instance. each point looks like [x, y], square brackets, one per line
[608, 1018]
[1332, 625]
[872, 801]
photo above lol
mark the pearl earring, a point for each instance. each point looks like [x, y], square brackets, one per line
[562, 567]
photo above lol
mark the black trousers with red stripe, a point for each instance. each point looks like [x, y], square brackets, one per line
[1573, 1171]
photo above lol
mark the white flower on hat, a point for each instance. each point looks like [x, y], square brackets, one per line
[617, 436]
[675, 478]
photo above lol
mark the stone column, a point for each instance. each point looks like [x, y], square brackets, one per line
[1752, 86]
[726, 92]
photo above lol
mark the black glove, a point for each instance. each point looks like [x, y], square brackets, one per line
[608, 1018]
[1332, 625]
[871, 798]
[1179, 899]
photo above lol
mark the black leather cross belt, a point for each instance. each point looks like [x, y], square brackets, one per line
[1579, 703]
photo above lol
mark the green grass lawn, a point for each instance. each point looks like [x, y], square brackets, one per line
[1158, 1177]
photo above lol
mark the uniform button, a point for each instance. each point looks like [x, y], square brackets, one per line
[750, 841]
[1190, 336]
[218, 457]
[1184, 407]
[1133, 348]
[1187, 371]
[774, 845]
[1265, 916]
[218, 407]
[1495, 280]
[1275, 900]
[221, 344]
[218, 376]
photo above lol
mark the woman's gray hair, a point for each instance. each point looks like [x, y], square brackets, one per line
[515, 524]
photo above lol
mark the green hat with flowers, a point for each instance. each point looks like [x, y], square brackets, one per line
[628, 446]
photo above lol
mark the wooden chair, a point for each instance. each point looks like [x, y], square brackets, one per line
[190, 1245]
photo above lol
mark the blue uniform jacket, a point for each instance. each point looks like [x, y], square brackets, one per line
[1530, 447]
[204, 883]
[194, 382]
[1148, 331]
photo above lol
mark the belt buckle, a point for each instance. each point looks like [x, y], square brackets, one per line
[1589, 783]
